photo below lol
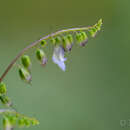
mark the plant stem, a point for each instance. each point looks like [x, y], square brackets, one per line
[36, 43]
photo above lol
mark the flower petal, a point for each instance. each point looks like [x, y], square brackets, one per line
[62, 65]
[58, 57]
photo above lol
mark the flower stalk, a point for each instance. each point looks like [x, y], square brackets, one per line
[63, 41]
[36, 43]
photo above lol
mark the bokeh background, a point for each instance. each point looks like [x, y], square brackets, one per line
[94, 92]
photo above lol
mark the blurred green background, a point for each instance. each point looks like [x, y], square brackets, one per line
[94, 92]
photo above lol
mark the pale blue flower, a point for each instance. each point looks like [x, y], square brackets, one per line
[58, 57]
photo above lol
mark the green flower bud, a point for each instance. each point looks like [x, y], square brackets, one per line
[26, 61]
[7, 124]
[13, 119]
[43, 43]
[98, 25]
[98, 28]
[64, 41]
[93, 32]
[41, 56]
[5, 100]
[70, 38]
[84, 42]
[53, 41]
[58, 39]
[34, 122]
[21, 122]
[67, 45]
[79, 37]
[82, 38]
[27, 122]
[84, 35]
[3, 89]
[25, 75]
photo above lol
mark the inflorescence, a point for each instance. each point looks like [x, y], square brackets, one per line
[63, 42]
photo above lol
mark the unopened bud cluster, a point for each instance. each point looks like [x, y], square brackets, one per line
[62, 42]
[3, 95]
[96, 28]
[12, 119]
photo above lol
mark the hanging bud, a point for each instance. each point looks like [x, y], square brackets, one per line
[26, 61]
[2, 88]
[7, 124]
[34, 122]
[93, 32]
[71, 42]
[27, 122]
[21, 122]
[70, 38]
[25, 75]
[84, 39]
[5, 100]
[84, 35]
[41, 57]
[13, 120]
[53, 41]
[39, 54]
[43, 43]
[67, 45]
[58, 39]
[79, 37]
[83, 43]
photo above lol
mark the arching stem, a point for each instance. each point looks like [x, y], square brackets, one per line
[37, 42]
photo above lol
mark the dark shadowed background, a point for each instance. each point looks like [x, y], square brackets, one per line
[94, 92]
